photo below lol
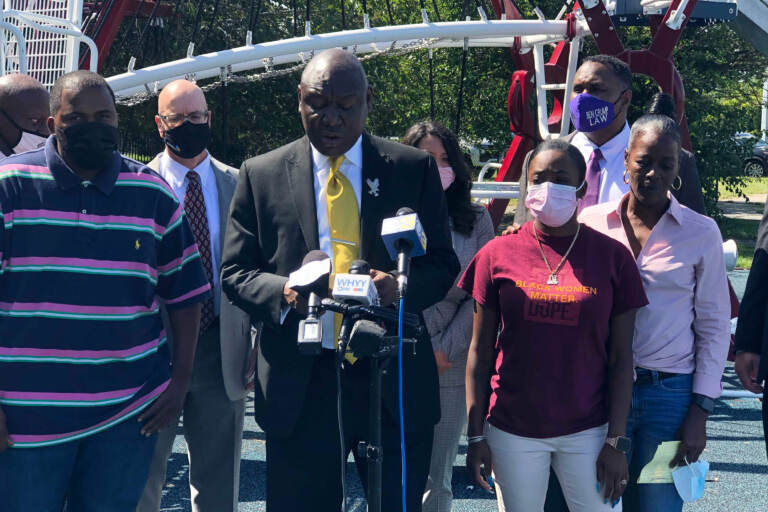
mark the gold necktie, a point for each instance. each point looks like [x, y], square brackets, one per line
[344, 225]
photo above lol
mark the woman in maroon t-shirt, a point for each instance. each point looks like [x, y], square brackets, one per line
[555, 309]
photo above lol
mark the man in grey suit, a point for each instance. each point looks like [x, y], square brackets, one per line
[215, 405]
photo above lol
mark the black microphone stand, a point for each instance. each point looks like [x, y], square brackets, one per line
[372, 449]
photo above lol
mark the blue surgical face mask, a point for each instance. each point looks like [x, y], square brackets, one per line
[689, 480]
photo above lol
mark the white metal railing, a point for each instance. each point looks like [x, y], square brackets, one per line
[46, 40]
[365, 40]
[485, 190]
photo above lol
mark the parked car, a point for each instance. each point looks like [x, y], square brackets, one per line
[756, 164]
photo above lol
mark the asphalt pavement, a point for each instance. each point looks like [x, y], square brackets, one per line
[737, 482]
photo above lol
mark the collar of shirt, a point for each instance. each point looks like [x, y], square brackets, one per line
[175, 173]
[354, 156]
[674, 209]
[66, 178]
[611, 149]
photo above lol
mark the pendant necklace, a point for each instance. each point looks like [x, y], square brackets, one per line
[552, 280]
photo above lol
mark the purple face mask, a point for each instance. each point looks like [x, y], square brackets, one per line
[589, 113]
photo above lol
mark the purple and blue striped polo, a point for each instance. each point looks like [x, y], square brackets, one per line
[84, 268]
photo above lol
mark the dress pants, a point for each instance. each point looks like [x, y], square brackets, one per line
[213, 430]
[438, 495]
[304, 470]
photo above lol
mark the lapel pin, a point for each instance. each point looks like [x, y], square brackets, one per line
[373, 187]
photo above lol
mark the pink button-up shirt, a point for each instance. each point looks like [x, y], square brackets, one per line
[685, 328]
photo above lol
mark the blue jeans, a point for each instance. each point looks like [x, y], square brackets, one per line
[658, 409]
[103, 472]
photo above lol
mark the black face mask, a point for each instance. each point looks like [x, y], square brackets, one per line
[12, 144]
[188, 140]
[89, 146]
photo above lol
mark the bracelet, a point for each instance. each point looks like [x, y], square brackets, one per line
[475, 439]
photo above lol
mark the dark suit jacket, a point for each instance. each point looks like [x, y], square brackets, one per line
[689, 195]
[752, 329]
[234, 334]
[273, 225]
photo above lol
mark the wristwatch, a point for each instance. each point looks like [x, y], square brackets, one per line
[704, 402]
[619, 443]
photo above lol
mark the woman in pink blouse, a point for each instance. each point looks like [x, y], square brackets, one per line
[681, 338]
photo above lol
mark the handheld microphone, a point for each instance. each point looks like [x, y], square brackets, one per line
[404, 238]
[311, 278]
[356, 286]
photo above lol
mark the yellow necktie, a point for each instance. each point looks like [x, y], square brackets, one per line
[344, 224]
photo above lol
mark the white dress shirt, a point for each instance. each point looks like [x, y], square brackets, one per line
[612, 186]
[352, 168]
[176, 175]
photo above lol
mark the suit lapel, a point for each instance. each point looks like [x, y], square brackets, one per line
[225, 189]
[301, 181]
[374, 202]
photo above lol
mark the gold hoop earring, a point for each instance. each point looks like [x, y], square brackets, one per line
[626, 179]
[679, 182]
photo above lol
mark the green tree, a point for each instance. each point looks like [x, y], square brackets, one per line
[722, 74]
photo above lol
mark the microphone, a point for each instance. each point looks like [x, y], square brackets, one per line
[366, 338]
[353, 288]
[356, 286]
[311, 278]
[404, 238]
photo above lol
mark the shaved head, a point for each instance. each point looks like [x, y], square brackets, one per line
[11, 86]
[23, 107]
[184, 122]
[334, 101]
[181, 97]
[335, 60]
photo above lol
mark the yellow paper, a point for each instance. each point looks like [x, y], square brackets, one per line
[657, 471]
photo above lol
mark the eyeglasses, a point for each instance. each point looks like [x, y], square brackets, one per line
[198, 117]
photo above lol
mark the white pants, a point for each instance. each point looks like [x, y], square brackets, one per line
[521, 469]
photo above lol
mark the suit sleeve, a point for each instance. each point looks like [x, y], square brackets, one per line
[458, 333]
[753, 311]
[242, 279]
[432, 275]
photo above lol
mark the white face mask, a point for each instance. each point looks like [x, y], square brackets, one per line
[552, 204]
[28, 142]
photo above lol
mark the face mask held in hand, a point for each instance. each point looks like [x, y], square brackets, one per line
[188, 139]
[690, 479]
[89, 146]
[552, 204]
[590, 113]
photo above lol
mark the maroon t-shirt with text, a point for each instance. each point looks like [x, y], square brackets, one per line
[551, 374]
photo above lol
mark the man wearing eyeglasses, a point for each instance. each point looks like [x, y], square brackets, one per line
[214, 407]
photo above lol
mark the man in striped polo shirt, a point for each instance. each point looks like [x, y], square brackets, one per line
[92, 244]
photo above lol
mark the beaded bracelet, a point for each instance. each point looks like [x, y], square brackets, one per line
[475, 439]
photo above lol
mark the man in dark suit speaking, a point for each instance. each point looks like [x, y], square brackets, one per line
[330, 190]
